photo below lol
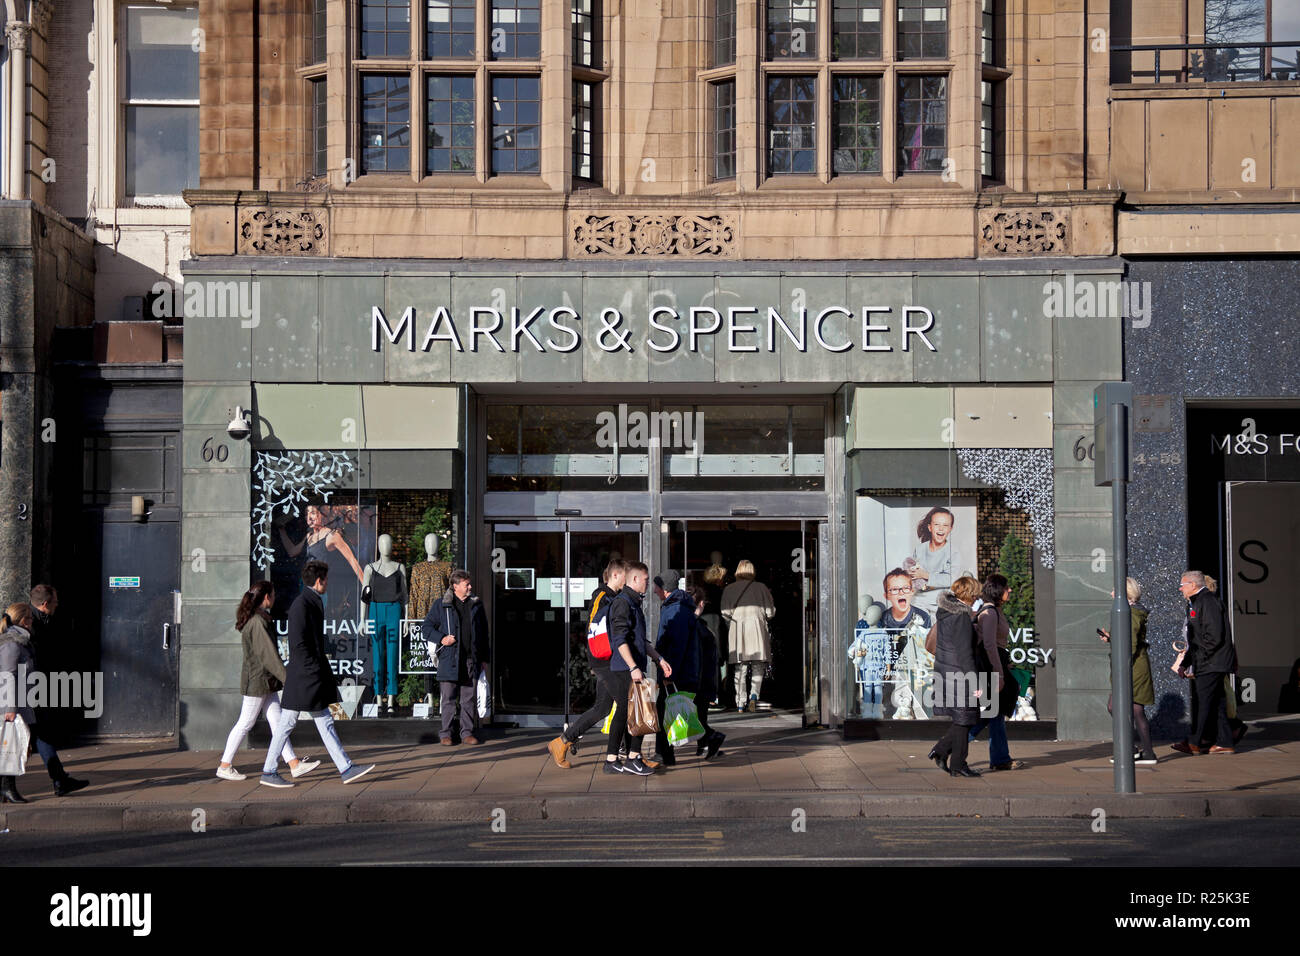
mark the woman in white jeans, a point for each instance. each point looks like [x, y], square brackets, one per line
[262, 676]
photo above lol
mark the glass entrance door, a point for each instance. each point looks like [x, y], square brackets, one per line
[785, 556]
[543, 576]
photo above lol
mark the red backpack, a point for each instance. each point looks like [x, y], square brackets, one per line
[598, 630]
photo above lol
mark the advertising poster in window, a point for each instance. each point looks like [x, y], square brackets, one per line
[929, 542]
[342, 534]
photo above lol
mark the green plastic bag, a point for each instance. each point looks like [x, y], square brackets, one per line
[682, 719]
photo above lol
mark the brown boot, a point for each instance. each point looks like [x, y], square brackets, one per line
[559, 748]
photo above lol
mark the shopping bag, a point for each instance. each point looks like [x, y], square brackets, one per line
[682, 719]
[642, 718]
[14, 740]
[609, 719]
[484, 696]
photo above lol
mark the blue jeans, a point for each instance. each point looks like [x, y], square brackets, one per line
[328, 735]
[873, 696]
[999, 751]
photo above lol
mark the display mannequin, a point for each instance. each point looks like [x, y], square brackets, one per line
[386, 579]
[869, 657]
[429, 582]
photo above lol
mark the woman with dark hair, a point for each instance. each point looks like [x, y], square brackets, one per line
[262, 676]
[994, 631]
[956, 691]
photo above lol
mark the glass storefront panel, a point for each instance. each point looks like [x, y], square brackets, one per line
[910, 546]
[744, 448]
[545, 575]
[545, 447]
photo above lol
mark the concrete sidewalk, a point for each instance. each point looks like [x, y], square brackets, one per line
[770, 768]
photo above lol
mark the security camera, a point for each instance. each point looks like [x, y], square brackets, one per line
[239, 428]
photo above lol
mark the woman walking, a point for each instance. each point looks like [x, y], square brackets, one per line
[1144, 694]
[956, 680]
[708, 689]
[262, 676]
[994, 631]
[747, 607]
[17, 663]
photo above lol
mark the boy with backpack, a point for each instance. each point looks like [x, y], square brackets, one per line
[598, 656]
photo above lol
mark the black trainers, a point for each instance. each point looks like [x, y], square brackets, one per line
[614, 766]
[637, 767]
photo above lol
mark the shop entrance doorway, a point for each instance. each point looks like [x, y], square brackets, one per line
[543, 573]
[784, 554]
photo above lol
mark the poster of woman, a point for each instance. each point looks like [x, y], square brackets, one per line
[343, 536]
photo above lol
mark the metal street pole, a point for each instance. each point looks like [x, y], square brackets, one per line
[1112, 402]
[1121, 628]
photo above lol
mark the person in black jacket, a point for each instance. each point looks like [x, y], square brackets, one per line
[627, 641]
[1213, 657]
[956, 678]
[597, 617]
[457, 627]
[708, 689]
[309, 682]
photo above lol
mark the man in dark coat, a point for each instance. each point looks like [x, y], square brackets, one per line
[457, 627]
[679, 644]
[309, 682]
[1213, 658]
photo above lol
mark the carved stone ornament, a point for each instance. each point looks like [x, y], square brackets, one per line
[283, 232]
[1024, 232]
[622, 234]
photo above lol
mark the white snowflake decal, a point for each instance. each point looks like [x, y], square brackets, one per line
[283, 481]
[1026, 475]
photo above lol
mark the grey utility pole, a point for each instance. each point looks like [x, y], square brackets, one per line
[1112, 402]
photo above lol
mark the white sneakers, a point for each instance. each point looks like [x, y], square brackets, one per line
[304, 767]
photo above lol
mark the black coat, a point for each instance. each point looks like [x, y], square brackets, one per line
[1207, 633]
[955, 672]
[309, 682]
[708, 641]
[443, 620]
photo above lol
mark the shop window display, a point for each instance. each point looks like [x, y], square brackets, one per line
[389, 555]
[911, 545]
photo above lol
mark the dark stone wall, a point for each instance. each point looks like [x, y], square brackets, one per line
[1219, 330]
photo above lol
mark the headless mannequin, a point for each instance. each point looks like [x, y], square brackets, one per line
[430, 580]
[386, 567]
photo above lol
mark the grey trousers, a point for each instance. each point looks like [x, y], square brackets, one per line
[468, 700]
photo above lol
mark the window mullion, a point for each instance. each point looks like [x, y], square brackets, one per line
[823, 110]
[417, 115]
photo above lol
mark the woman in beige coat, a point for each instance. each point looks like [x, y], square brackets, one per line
[747, 607]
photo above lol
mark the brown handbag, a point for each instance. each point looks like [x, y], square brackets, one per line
[642, 717]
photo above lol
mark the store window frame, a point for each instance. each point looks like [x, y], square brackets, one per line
[586, 138]
[452, 123]
[890, 66]
[901, 123]
[722, 138]
[484, 66]
[128, 105]
[586, 42]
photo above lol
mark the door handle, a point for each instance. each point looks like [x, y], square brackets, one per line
[167, 637]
